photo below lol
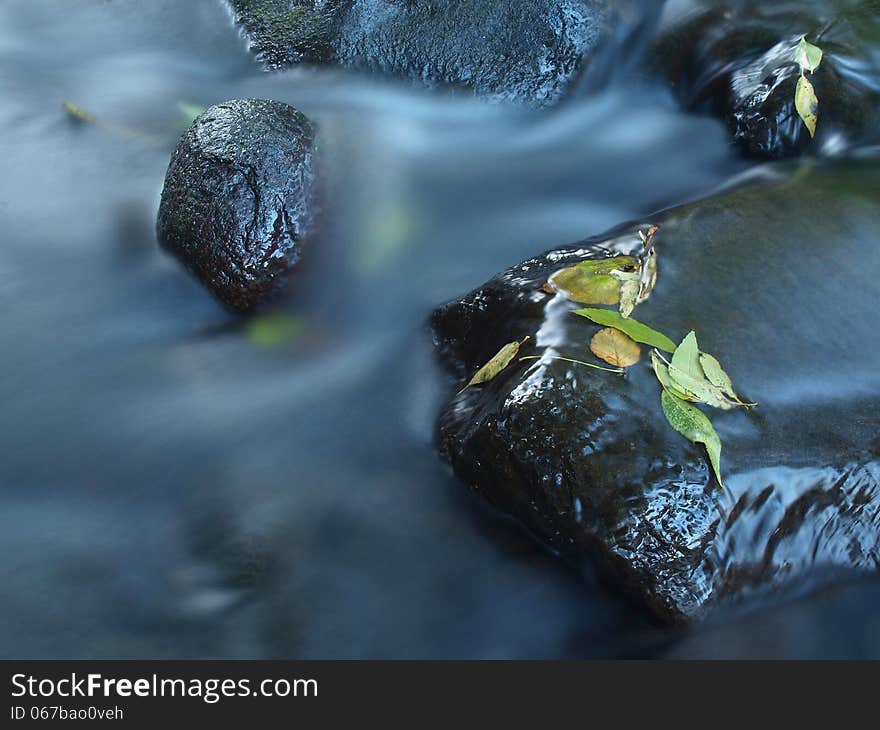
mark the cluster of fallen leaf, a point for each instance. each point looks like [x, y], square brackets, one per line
[688, 376]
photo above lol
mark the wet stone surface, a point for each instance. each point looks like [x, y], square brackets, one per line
[526, 50]
[240, 199]
[585, 459]
[738, 61]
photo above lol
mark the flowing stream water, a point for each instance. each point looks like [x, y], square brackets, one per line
[176, 483]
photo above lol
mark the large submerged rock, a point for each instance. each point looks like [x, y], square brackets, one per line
[737, 59]
[779, 281]
[528, 50]
[240, 198]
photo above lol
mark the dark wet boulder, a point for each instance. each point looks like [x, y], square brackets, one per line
[239, 199]
[527, 50]
[779, 281]
[737, 60]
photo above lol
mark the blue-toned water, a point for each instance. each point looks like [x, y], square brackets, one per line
[175, 485]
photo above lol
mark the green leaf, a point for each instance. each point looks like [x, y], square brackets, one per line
[807, 55]
[586, 288]
[595, 281]
[272, 330]
[693, 424]
[629, 295]
[77, 112]
[686, 357]
[499, 361]
[629, 326]
[661, 370]
[715, 374]
[686, 372]
[606, 266]
[700, 389]
[807, 104]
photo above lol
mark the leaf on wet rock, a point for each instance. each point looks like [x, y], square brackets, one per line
[700, 390]
[691, 382]
[499, 361]
[807, 104]
[637, 284]
[629, 295]
[585, 288]
[615, 348]
[608, 265]
[629, 326]
[695, 426]
[594, 281]
[661, 370]
[715, 374]
[807, 55]
[686, 357]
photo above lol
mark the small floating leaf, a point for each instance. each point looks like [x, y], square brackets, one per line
[715, 374]
[686, 357]
[807, 55]
[661, 370]
[606, 266]
[499, 361]
[585, 288]
[635, 329]
[700, 389]
[591, 282]
[615, 348]
[685, 370]
[687, 373]
[272, 330]
[629, 295]
[77, 112]
[807, 104]
[693, 424]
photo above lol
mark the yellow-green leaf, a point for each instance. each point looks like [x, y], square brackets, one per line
[629, 295]
[607, 265]
[499, 361]
[807, 104]
[693, 424]
[77, 112]
[615, 348]
[661, 370]
[686, 357]
[715, 374]
[686, 372]
[272, 330]
[632, 327]
[700, 389]
[594, 281]
[807, 55]
[583, 287]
